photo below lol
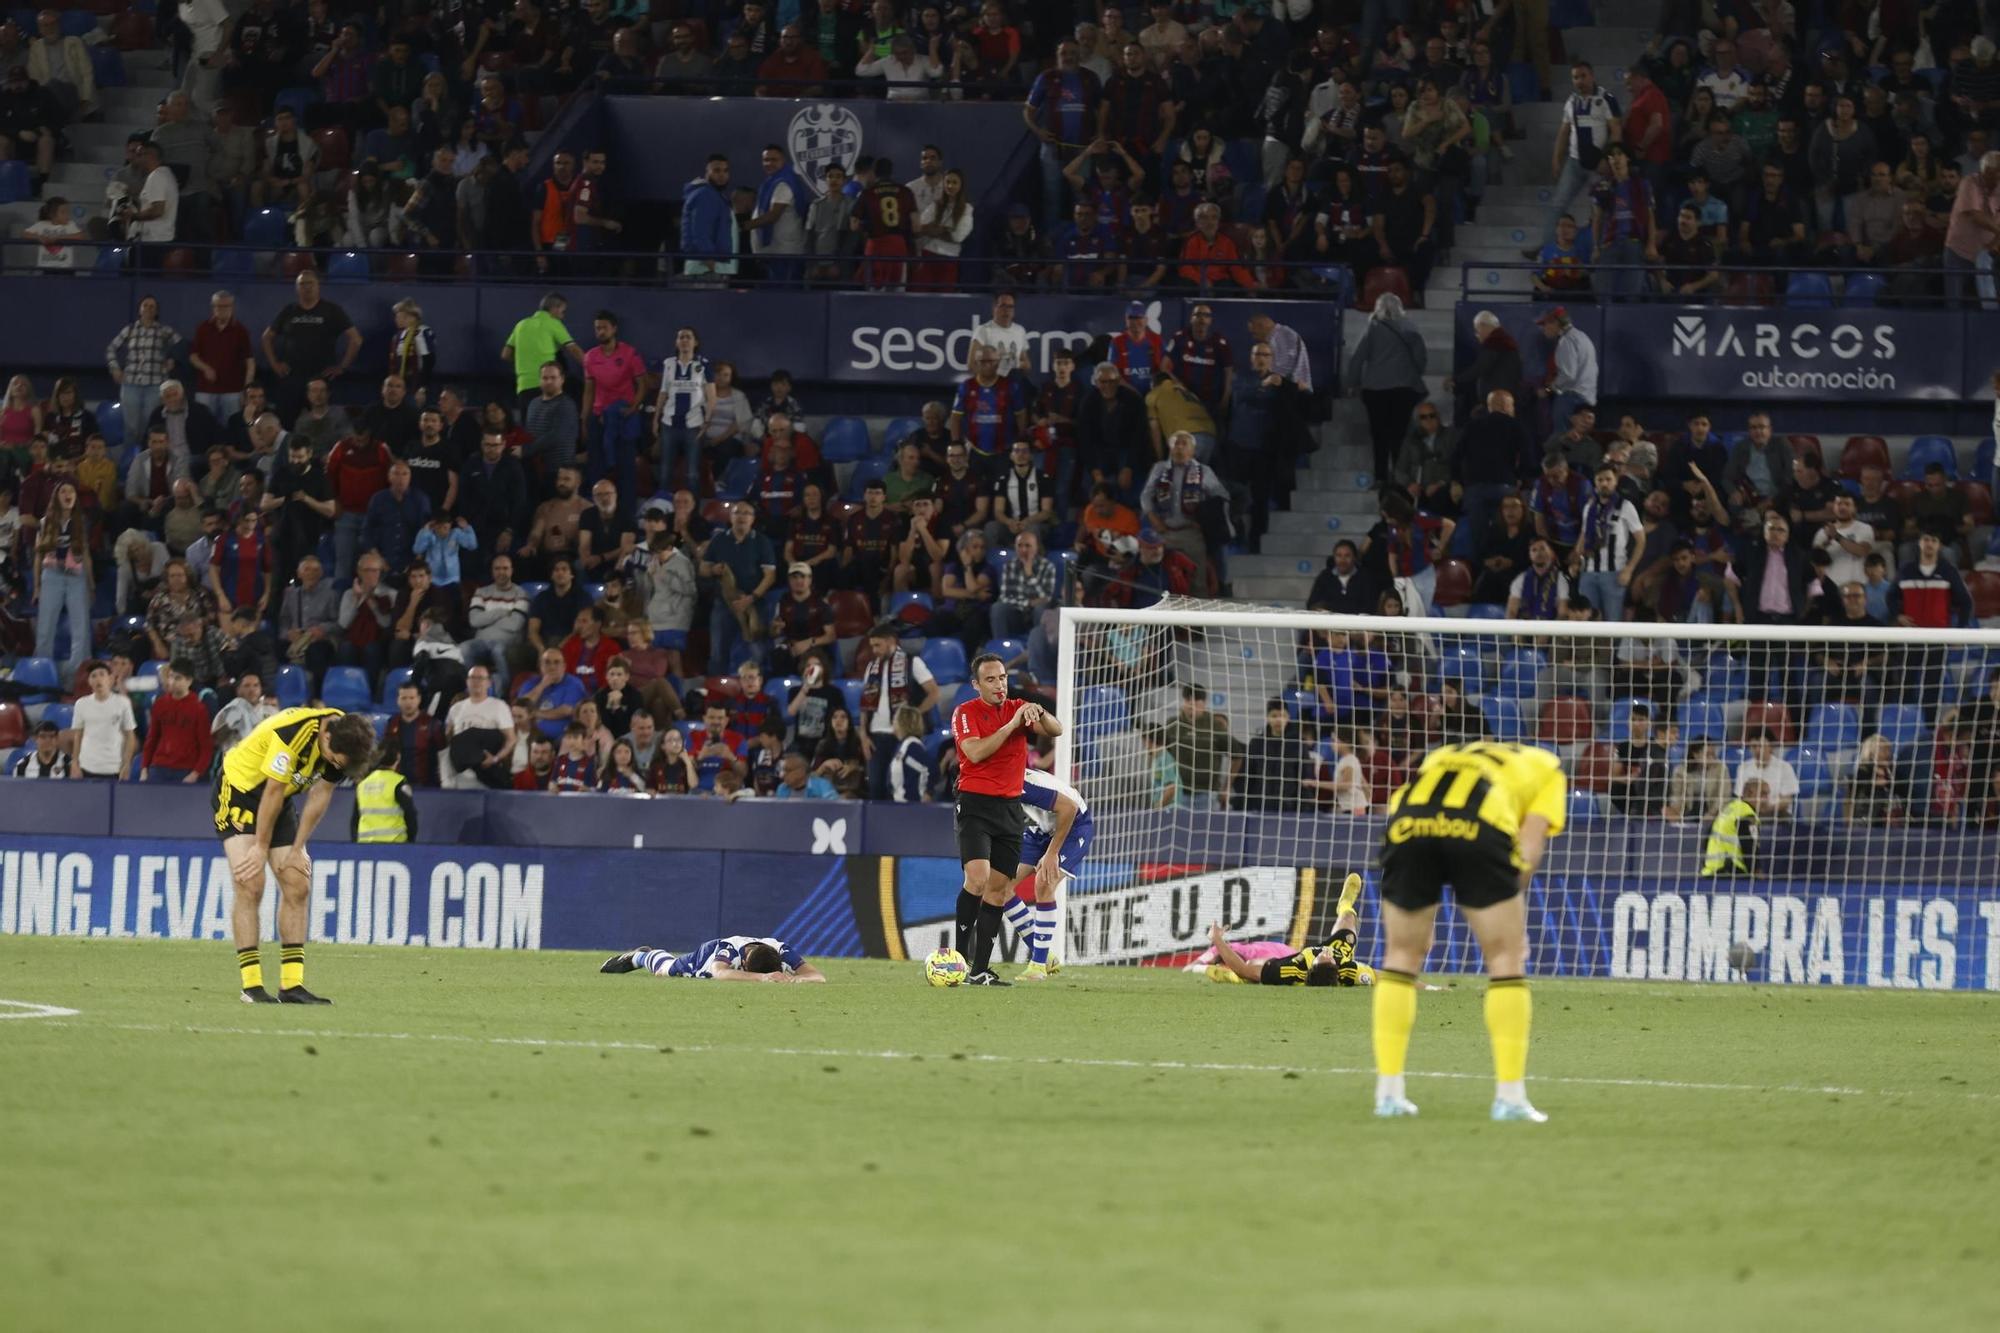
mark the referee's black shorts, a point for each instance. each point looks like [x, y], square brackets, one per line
[989, 829]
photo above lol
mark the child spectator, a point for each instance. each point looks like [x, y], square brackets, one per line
[107, 732]
[179, 743]
[576, 770]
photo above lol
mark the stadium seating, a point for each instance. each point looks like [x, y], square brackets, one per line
[946, 659]
[1768, 715]
[1863, 451]
[851, 613]
[865, 471]
[1862, 290]
[1521, 672]
[63, 715]
[1618, 727]
[266, 229]
[39, 675]
[1593, 767]
[1833, 727]
[13, 723]
[1461, 662]
[1984, 585]
[1010, 651]
[334, 148]
[1982, 463]
[1809, 291]
[1454, 584]
[1566, 721]
[348, 266]
[894, 433]
[1704, 717]
[1103, 708]
[1302, 704]
[293, 686]
[392, 681]
[1978, 501]
[347, 687]
[1926, 450]
[738, 479]
[845, 440]
[232, 261]
[1503, 718]
[1385, 280]
[1904, 725]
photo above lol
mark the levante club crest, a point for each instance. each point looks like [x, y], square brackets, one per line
[823, 135]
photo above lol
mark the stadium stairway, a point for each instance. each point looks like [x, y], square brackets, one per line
[97, 148]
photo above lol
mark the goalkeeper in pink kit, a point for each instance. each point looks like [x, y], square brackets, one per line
[1272, 963]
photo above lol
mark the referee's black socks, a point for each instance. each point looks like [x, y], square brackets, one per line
[968, 913]
[990, 917]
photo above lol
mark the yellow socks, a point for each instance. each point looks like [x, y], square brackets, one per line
[1350, 894]
[291, 966]
[1395, 1014]
[1509, 1013]
[251, 965]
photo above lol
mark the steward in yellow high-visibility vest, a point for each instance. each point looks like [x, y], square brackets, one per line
[1732, 839]
[383, 808]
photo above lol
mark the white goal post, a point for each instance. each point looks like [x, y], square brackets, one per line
[1871, 757]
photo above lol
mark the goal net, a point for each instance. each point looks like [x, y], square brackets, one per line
[1237, 764]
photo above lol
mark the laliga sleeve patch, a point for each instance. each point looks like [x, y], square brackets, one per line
[281, 763]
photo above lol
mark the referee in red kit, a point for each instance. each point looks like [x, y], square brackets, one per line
[991, 733]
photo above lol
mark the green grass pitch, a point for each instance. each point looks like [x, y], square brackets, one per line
[511, 1141]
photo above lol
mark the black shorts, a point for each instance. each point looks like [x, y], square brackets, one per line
[989, 829]
[236, 814]
[1478, 863]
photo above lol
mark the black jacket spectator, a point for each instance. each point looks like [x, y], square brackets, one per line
[1493, 450]
[1111, 433]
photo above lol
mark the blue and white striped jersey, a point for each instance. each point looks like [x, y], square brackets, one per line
[705, 959]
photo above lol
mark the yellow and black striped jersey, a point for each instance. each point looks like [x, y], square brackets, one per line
[1520, 780]
[284, 748]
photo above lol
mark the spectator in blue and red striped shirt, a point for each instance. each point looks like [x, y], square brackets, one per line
[1627, 232]
[1138, 352]
[239, 574]
[344, 83]
[1061, 111]
[990, 412]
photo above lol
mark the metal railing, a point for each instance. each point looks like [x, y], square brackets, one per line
[111, 260]
[1807, 286]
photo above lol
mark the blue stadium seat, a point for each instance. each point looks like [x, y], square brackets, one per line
[1703, 717]
[1009, 651]
[1723, 677]
[348, 266]
[1815, 777]
[1302, 704]
[1585, 806]
[1485, 611]
[346, 687]
[1461, 662]
[946, 659]
[1619, 729]
[1521, 673]
[232, 261]
[39, 674]
[948, 704]
[77, 23]
[845, 440]
[63, 715]
[110, 261]
[1103, 709]
[534, 588]
[1862, 290]
[111, 425]
[293, 686]
[1928, 449]
[1503, 718]
[107, 64]
[1904, 725]
[298, 101]
[594, 591]
[898, 428]
[266, 229]
[16, 184]
[851, 690]
[391, 682]
[898, 600]
[737, 480]
[1833, 727]
[1809, 291]
[865, 471]
[381, 721]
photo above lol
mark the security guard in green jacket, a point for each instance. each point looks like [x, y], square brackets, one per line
[383, 808]
[1732, 839]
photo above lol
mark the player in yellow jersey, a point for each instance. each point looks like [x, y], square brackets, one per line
[299, 750]
[1478, 817]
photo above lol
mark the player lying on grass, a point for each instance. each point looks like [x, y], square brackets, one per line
[1269, 964]
[1058, 837]
[732, 958]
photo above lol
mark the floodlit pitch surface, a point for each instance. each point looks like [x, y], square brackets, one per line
[511, 1141]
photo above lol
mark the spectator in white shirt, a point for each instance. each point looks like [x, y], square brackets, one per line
[1011, 339]
[159, 200]
[1609, 547]
[908, 72]
[1725, 80]
[107, 733]
[488, 727]
[1767, 766]
[1846, 540]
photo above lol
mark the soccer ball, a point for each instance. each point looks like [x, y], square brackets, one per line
[945, 967]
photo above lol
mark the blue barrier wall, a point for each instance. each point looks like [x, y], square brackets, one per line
[1896, 908]
[847, 337]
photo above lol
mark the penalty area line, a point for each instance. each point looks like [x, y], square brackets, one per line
[1084, 1062]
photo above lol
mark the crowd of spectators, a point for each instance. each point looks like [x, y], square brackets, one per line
[1736, 143]
[616, 523]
